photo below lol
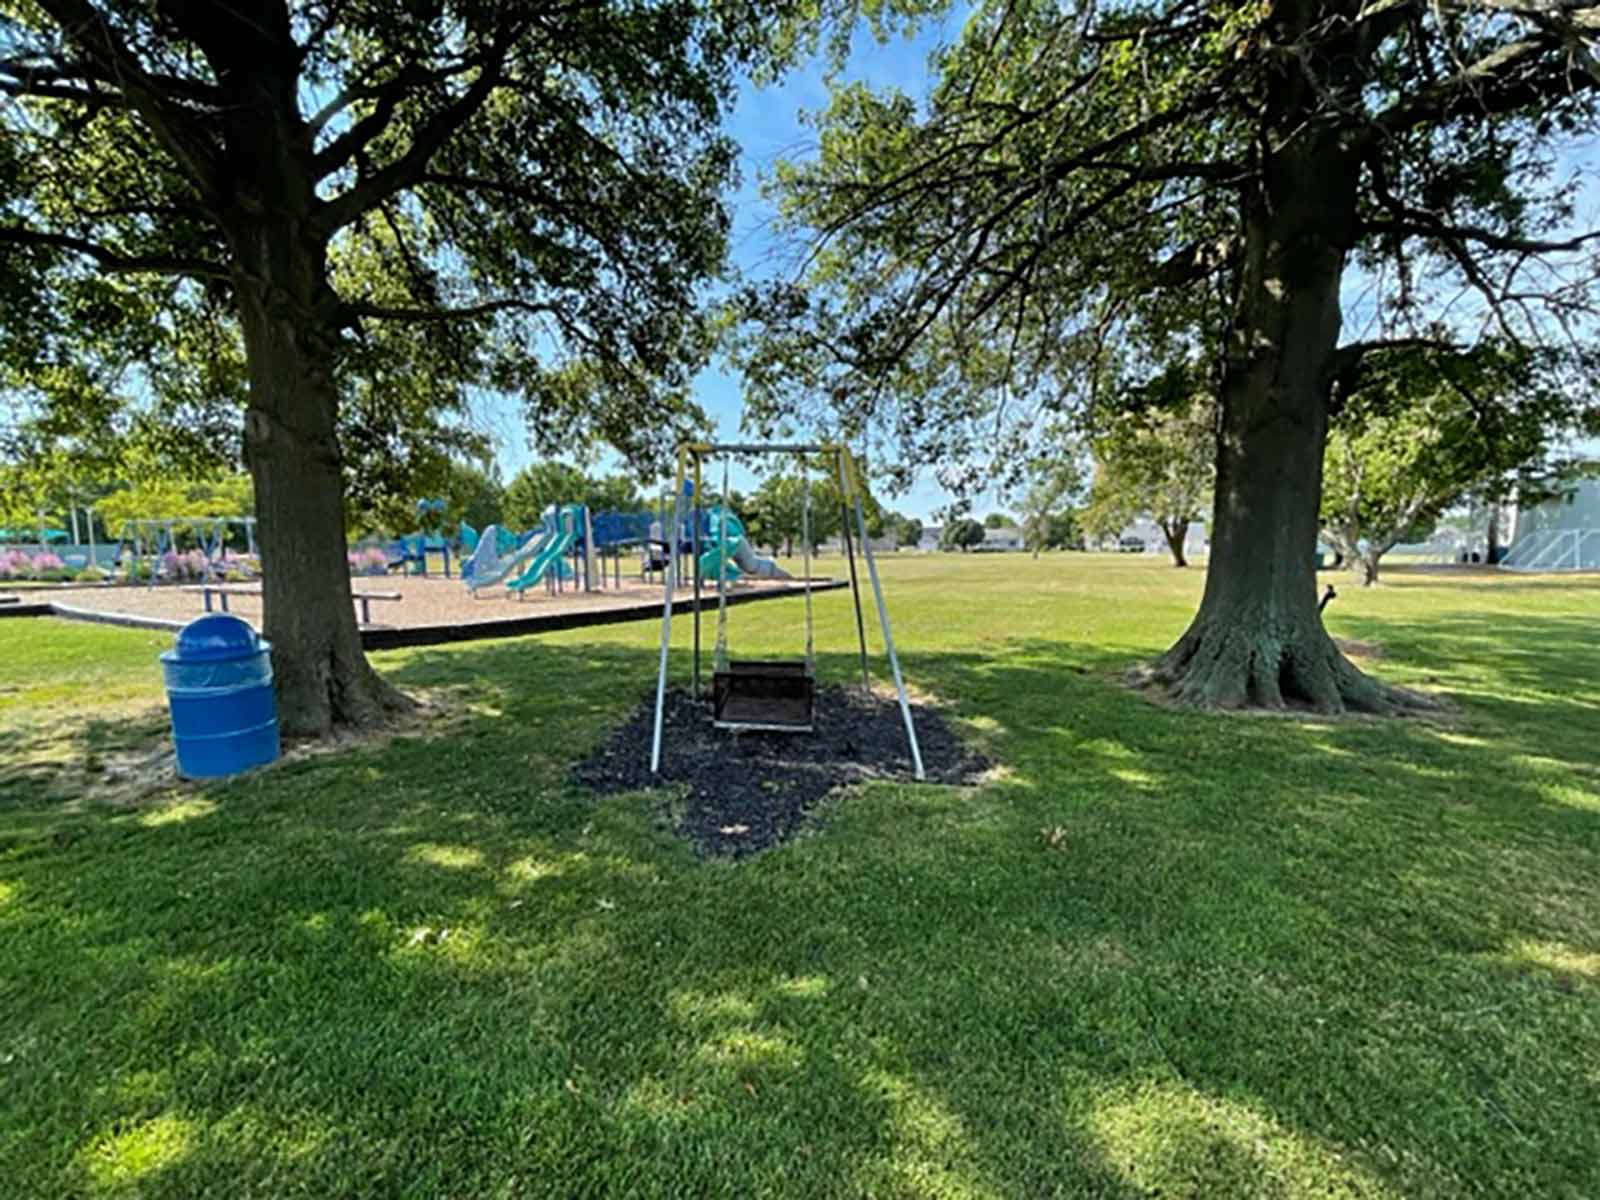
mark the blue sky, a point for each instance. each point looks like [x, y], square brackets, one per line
[766, 123]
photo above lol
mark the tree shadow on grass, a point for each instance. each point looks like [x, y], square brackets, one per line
[1261, 957]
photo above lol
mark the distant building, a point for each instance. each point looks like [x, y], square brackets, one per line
[1007, 537]
[1560, 535]
[930, 537]
[880, 545]
[1146, 531]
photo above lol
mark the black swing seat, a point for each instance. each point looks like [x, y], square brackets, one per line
[763, 694]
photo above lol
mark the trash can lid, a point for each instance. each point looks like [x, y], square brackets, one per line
[213, 638]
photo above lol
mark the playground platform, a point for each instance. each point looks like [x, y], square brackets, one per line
[431, 610]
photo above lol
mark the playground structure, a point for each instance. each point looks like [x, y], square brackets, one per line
[522, 560]
[576, 548]
[767, 695]
[149, 541]
[408, 554]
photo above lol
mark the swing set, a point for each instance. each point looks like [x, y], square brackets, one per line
[769, 694]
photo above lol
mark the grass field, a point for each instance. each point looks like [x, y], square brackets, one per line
[1160, 954]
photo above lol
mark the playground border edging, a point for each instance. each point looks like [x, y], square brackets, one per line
[436, 635]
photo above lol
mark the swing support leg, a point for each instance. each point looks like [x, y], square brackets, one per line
[671, 577]
[888, 640]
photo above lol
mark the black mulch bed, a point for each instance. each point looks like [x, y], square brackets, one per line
[745, 792]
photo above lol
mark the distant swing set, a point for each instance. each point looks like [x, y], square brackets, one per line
[768, 694]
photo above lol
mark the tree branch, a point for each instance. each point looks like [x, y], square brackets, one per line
[112, 262]
[193, 150]
[410, 166]
[384, 312]
[1425, 225]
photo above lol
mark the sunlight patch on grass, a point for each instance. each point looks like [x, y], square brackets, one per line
[1168, 1139]
[8, 893]
[694, 1007]
[932, 1151]
[803, 987]
[456, 858]
[150, 1146]
[981, 724]
[659, 1100]
[1138, 779]
[750, 1048]
[1105, 748]
[177, 812]
[1555, 956]
[531, 870]
[1569, 795]
[1460, 739]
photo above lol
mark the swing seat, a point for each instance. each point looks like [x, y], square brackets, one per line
[763, 694]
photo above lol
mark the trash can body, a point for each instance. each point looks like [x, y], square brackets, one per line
[219, 692]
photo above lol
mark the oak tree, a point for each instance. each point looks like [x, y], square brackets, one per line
[1082, 180]
[527, 196]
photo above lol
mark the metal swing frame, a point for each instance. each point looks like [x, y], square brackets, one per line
[730, 674]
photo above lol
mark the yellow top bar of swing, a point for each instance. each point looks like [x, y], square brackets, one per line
[849, 472]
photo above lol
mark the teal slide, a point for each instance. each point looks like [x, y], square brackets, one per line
[498, 555]
[731, 550]
[550, 558]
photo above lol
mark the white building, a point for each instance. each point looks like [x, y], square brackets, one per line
[1007, 537]
[1145, 530]
[1560, 535]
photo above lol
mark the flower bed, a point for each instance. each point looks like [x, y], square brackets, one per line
[374, 560]
[41, 565]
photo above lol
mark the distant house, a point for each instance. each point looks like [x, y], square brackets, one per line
[930, 537]
[880, 545]
[1007, 537]
[1143, 529]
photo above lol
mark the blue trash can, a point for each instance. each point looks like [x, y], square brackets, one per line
[219, 690]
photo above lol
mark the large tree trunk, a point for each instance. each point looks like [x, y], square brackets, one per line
[293, 323]
[291, 445]
[1257, 639]
[1368, 566]
[1491, 544]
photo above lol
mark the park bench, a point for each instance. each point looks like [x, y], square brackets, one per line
[223, 590]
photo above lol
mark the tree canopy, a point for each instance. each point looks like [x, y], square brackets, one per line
[1090, 194]
[539, 485]
[962, 533]
[350, 213]
[1049, 519]
[1158, 462]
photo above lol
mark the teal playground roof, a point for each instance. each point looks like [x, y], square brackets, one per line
[32, 535]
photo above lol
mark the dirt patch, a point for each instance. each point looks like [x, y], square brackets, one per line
[142, 768]
[738, 793]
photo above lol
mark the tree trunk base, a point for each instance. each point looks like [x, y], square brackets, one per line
[337, 697]
[1221, 665]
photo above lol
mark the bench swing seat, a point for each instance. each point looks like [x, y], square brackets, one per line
[763, 694]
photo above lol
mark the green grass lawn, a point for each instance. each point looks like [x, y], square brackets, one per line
[1261, 957]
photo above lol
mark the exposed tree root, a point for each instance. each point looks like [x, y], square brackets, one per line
[344, 696]
[1229, 666]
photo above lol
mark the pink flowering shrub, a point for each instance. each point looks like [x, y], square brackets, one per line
[370, 561]
[17, 564]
